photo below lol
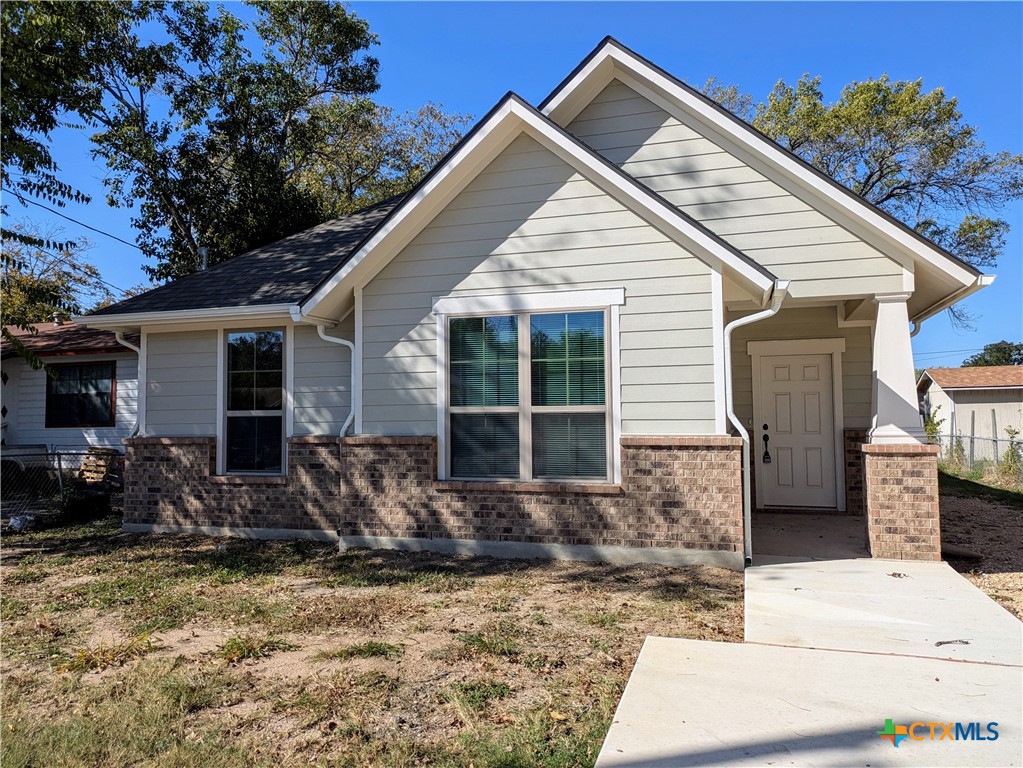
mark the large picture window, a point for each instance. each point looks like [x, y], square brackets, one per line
[81, 395]
[254, 419]
[527, 396]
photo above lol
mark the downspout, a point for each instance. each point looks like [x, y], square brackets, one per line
[778, 294]
[351, 387]
[119, 335]
[917, 325]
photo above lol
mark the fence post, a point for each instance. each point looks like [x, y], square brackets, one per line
[60, 477]
[973, 436]
[994, 432]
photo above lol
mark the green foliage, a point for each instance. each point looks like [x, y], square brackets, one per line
[932, 425]
[998, 353]
[37, 283]
[906, 150]
[1010, 468]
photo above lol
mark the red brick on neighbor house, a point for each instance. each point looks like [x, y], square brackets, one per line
[901, 483]
[676, 493]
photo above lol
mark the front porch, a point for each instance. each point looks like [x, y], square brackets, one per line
[829, 405]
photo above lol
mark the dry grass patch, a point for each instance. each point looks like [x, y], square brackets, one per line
[991, 527]
[287, 654]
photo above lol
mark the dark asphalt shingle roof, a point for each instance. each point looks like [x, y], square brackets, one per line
[280, 273]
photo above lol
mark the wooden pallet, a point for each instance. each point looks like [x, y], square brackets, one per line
[100, 465]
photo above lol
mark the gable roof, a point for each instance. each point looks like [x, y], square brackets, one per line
[283, 272]
[511, 117]
[611, 59]
[975, 377]
[64, 339]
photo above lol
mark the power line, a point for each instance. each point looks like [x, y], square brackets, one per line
[79, 223]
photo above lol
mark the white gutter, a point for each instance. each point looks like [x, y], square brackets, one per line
[982, 281]
[119, 335]
[134, 319]
[781, 288]
[351, 387]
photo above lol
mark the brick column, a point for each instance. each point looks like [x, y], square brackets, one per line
[901, 483]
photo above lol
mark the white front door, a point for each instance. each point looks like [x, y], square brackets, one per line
[794, 410]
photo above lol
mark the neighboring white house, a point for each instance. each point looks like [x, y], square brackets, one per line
[976, 401]
[92, 401]
[566, 340]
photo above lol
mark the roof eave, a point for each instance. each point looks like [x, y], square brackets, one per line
[175, 317]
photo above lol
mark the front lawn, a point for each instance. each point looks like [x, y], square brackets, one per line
[171, 650]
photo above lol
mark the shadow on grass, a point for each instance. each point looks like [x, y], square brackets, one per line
[228, 560]
[957, 486]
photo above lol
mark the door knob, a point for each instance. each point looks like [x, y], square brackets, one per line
[767, 453]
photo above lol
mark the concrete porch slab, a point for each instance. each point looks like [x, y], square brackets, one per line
[696, 703]
[879, 606]
[790, 537]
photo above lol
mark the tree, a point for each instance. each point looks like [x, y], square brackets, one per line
[210, 137]
[47, 282]
[369, 153]
[998, 353]
[905, 150]
[48, 52]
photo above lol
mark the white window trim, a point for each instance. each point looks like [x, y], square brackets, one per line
[287, 409]
[608, 301]
[833, 347]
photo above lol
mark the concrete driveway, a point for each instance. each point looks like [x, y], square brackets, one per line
[833, 650]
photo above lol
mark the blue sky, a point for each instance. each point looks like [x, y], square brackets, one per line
[466, 55]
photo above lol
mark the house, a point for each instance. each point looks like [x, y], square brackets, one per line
[566, 341]
[90, 401]
[977, 401]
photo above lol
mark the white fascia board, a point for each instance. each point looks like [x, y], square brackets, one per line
[563, 106]
[508, 121]
[176, 317]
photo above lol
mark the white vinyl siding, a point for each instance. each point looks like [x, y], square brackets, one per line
[528, 223]
[322, 381]
[181, 386]
[765, 221]
[28, 405]
[807, 323]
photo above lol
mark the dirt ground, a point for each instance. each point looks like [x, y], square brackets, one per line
[994, 532]
[228, 652]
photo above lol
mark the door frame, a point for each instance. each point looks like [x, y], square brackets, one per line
[834, 347]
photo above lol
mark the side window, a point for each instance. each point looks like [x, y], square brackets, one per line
[81, 395]
[254, 418]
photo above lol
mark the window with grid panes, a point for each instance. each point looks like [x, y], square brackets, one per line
[254, 419]
[527, 396]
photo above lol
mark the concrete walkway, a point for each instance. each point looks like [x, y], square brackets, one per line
[879, 606]
[834, 648]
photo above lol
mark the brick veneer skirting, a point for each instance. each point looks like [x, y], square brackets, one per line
[676, 493]
[902, 501]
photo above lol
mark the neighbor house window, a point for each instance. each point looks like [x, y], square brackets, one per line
[81, 395]
[527, 396]
[254, 420]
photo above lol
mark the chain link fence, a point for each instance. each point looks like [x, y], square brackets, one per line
[44, 483]
[982, 458]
